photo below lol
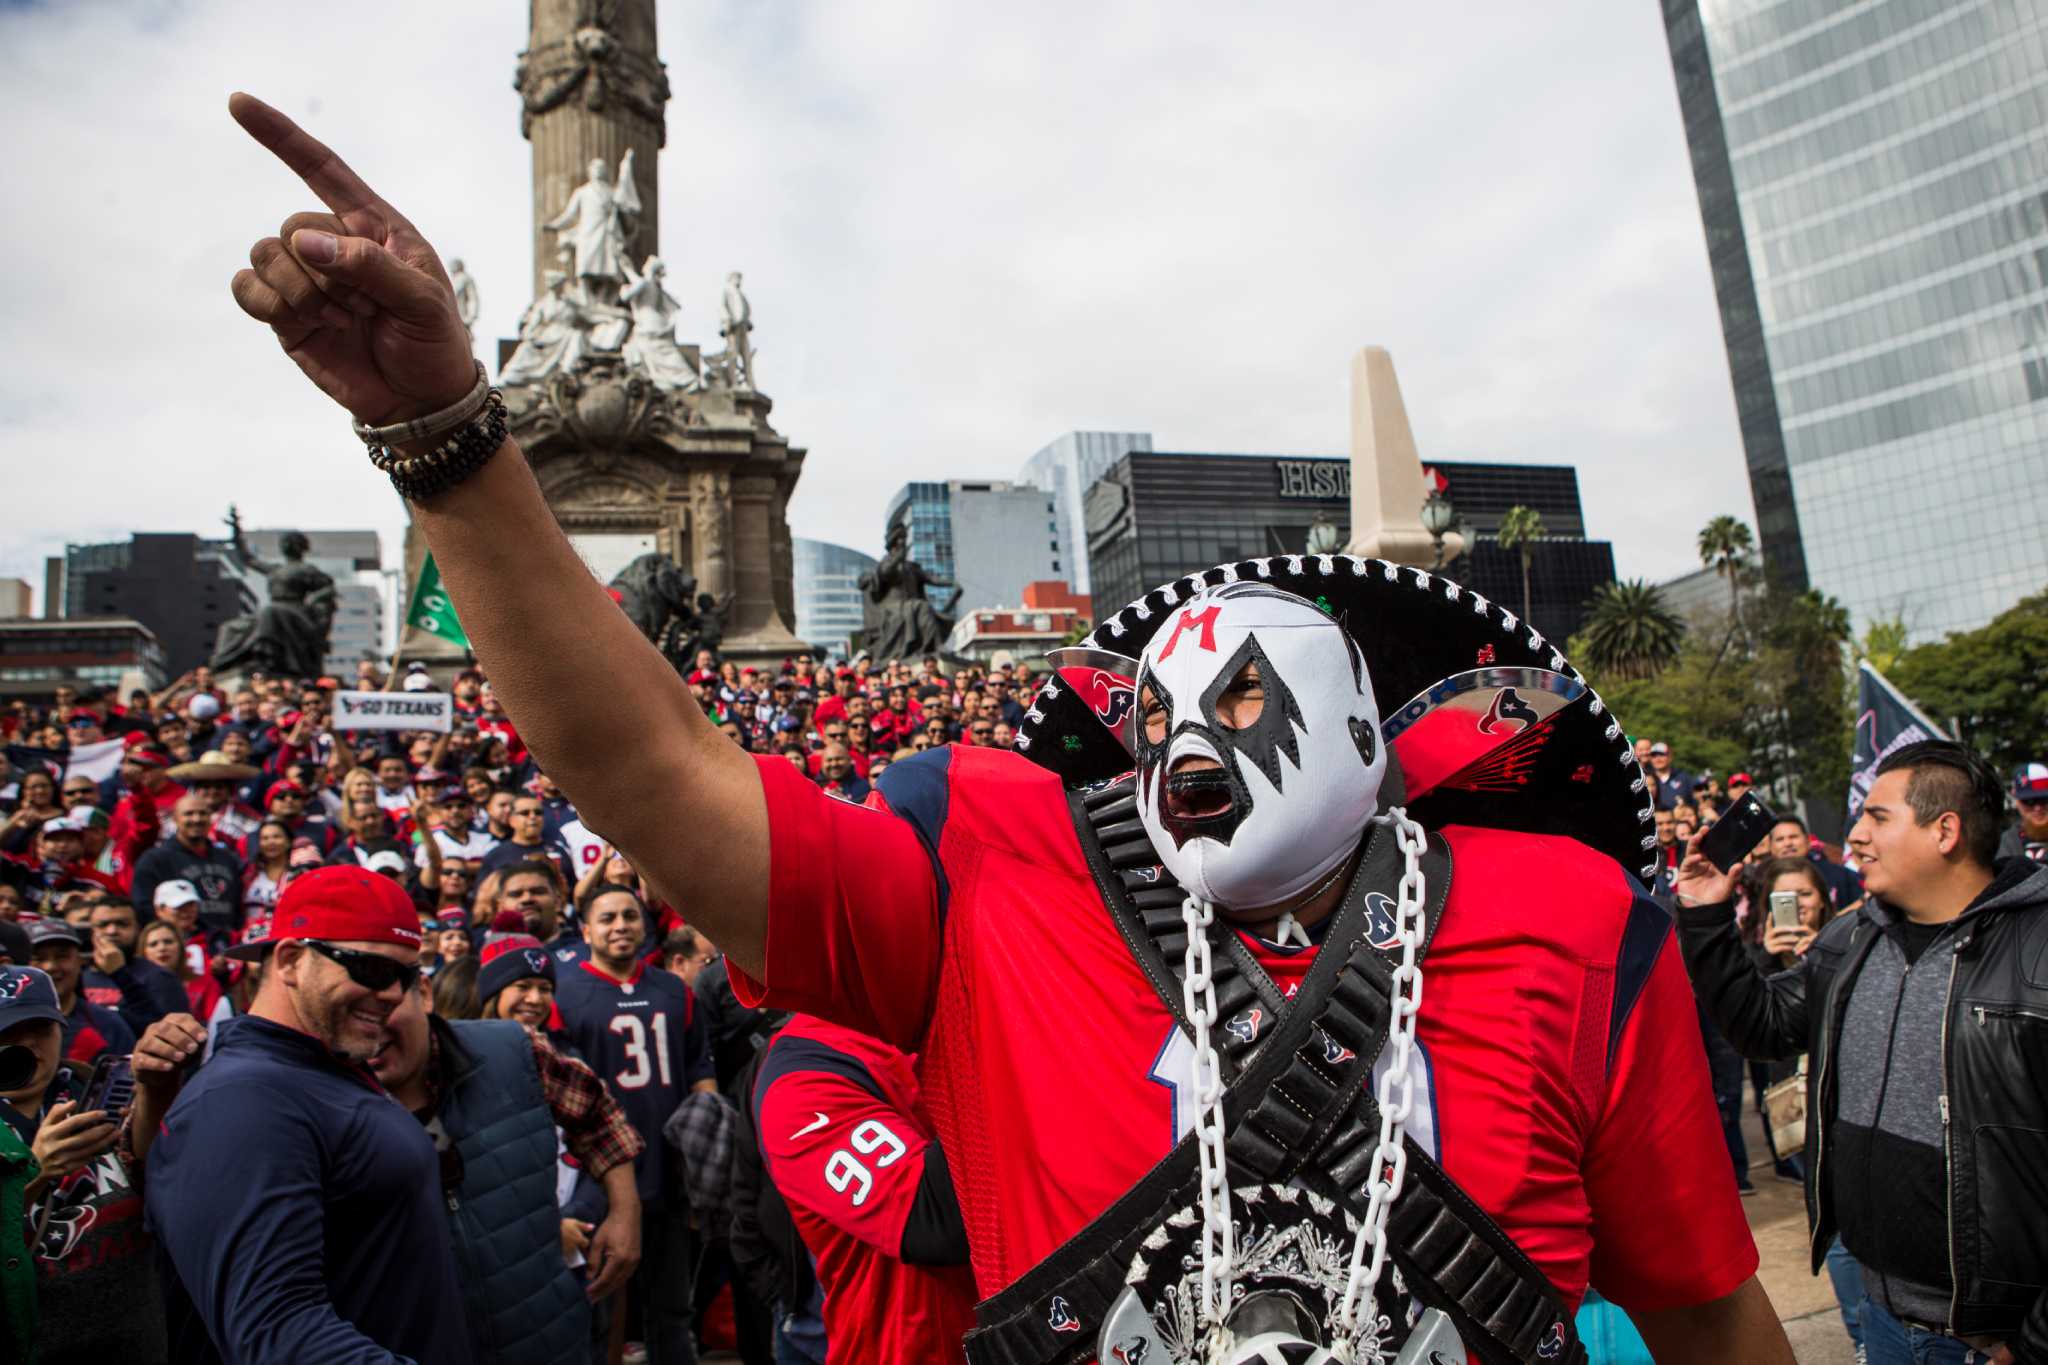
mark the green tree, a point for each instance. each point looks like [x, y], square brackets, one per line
[1776, 703]
[1629, 633]
[1797, 711]
[1883, 643]
[1699, 716]
[1988, 681]
[1520, 528]
[1724, 547]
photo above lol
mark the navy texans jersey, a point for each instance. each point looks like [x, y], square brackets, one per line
[646, 1039]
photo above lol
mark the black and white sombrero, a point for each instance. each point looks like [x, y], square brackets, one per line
[1486, 722]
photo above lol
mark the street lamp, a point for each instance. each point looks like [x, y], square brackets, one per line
[1438, 516]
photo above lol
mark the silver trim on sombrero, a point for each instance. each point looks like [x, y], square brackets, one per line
[1113, 627]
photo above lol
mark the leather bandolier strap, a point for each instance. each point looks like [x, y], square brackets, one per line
[1298, 1106]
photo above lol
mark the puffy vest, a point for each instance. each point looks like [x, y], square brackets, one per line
[523, 1304]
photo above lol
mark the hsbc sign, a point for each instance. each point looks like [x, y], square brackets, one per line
[1321, 480]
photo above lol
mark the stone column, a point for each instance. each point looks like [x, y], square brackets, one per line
[711, 532]
[1386, 472]
[591, 85]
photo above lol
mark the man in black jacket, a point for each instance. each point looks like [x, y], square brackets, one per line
[1926, 1013]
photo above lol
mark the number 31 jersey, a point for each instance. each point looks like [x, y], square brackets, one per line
[645, 1037]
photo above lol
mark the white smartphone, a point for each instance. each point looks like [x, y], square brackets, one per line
[1784, 909]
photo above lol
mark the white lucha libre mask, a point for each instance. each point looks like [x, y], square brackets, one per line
[1296, 787]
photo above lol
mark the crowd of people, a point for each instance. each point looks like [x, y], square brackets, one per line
[1941, 841]
[145, 901]
[321, 1046]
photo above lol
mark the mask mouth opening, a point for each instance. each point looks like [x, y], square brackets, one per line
[1198, 790]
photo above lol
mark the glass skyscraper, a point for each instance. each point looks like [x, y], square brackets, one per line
[1066, 469]
[826, 580]
[1873, 179]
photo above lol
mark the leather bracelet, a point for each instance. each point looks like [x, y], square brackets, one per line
[466, 450]
[434, 423]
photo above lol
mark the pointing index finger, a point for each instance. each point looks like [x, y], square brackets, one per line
[326, 174]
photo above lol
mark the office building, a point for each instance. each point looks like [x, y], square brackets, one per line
[1158, 515]
[14, 598]
[1051, 611]
[989, 538]
[181, 587]
[828, 595]
[116, 651]
[1067, 469]
[1873, 179]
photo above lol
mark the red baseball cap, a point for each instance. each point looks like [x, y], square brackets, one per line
[342, 904]
[1741, 779]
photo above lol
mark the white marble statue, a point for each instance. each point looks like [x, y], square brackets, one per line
[550, 335]
[593, 228]
[466, 304]
[737, 327]
[652, 348]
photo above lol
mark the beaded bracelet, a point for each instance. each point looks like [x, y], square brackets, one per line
[434, 423]
[467, 449]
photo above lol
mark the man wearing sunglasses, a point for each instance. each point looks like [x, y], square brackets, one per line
[300, 1207]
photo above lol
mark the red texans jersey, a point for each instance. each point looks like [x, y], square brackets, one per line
[842, 1140]
[1564, 1084]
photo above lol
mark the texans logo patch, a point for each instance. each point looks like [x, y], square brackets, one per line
[1061, 1318]
[1245, 1027]
[1508, 708]
[1108, 695]
[1382, 930]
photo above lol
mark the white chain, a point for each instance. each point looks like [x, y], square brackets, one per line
[1396, 1089]
[1198, 1002]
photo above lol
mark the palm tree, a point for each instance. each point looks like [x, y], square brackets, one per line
[1520, 528]
[1630, 633]
[1724, 547]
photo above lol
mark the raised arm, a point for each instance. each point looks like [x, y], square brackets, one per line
[358, 299]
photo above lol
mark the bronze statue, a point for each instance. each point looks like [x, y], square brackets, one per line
[661, 599]
[898, 618]
[287, 635]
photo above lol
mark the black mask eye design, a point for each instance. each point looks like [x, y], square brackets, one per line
[1273, 733]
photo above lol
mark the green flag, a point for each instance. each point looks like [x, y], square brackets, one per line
[431, 610]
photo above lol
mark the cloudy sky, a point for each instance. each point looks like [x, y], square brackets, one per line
[965, 230]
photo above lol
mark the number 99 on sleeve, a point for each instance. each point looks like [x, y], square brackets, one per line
[844, 1170]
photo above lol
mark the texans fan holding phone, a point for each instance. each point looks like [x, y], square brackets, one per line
[89, 1290]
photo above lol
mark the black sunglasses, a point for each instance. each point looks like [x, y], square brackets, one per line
[371, 971]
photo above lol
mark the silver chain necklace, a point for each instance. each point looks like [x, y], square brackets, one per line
[1395, 1096]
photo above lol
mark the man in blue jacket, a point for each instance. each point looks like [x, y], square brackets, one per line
[299, 1204]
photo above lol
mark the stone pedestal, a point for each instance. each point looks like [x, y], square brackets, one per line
[1387, 488]
[700, 475]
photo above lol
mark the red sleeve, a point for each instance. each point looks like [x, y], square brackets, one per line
[1668, 1226]
[853, 912]
[838, 1151]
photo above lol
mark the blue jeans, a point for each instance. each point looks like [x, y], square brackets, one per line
[1847, 1278]
[1725, 1068]
[1887, 1341]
